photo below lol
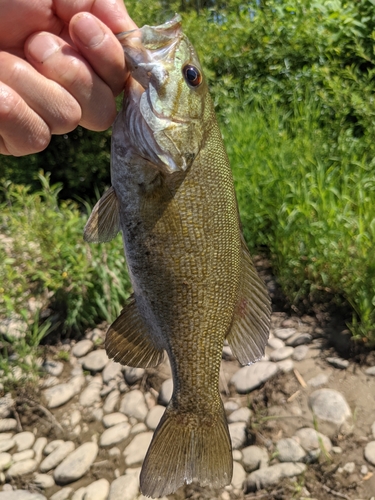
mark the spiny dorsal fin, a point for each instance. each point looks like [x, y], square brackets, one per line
[104, 221]
[251, 321]
[129, 342]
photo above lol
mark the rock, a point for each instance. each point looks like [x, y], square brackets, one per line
[369, 452]
[6, 444]
[133, 404]
[76, 464]
[59, 394]
[241, 415]
[5, 461]
[49, 382]
[23, 455]
[166, 390]
[77, 382]
[107, 388]
[286, 365]
[284, 333]
[254, 457]
[62, 494]
[54, 368]
[98, 490]
[288, 450]
[79, 494]
[13, 328]
[138, 428]
[329, 405]
[43, 481]
[114, 452]
[349, 467]
[6, 435]
[97, 414]
[82, 348]
[250, 377]
[132, 375]
[113, 419]
[370, 371]
[231, 406]
[24, 440]
[52, 445]
[237, 455]
[299, 339]
[310, 439]
[300, 352]
[6, 405]
[135, 452]
[21, 495]
[364, 470]
[21, 468]
[282, 353]
[115, 434]
[112, 371]
[91, 394]
[95, 361]
[338, 362]
[75, 418]
[154, 416]
[8, 424]
[56, 456]
[237, 431]
[123, 488]
[318, 380]
[239, 475]
[268, 476]
[337, 450]
[111, 401]
[275, 343]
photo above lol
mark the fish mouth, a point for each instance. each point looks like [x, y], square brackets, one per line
[157, 35]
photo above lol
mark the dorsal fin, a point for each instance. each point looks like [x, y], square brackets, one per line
[104, 221]
[129, 342]
[251, 321]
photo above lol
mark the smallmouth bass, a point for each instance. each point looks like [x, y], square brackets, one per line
[194, 282]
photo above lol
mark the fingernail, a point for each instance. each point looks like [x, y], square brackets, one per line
[88, 30]
[42, 46]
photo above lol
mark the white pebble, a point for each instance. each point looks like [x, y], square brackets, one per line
[24, 440]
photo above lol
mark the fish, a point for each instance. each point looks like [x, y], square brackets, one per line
[194, 283]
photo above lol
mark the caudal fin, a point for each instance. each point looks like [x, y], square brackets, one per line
[187, 447]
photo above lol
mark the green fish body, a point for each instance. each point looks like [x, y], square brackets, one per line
[194, 283]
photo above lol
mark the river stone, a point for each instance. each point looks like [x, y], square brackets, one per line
[310, 439]
[299, 339]
[5, 461]
[79, 494]
[329, 405]
[77, 382]
[268, 476]
[98, 490]
[135, 452]
[370, 371]
[133, 404]
[21, 495]
[282, 353]
[318, 380]
[59, 394]
[154, 416]
[338, 362]
[52, 445]
[115, 434]
[284, 333]
[44, 481]
[6, 444]
[23, 455]
[112, 371]
[75, 418]
[300, 352]
[370, 452]
[95, 361]
[91, 394]
[8, 424]
[132, 375]
[57, 456]
[231, 406]
[241, 415]
[76, 464]
[6, 404]
[82, 348]
[288, 450]
[54, 368]
[275, 343]
[114, 418]
[6, 435]
[250, 377]
[239, 475]
[286, 365]
[111, 401]
[21, 468]
[254, 457]
[62, 494]
[138, 428]
[24, 440]
[237, 431]
[166, 391]
[123, 488]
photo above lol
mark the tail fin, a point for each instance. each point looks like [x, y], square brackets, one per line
[187, 447]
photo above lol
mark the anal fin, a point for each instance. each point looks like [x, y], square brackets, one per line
[248, 335]
[104, 221]
[128, 340]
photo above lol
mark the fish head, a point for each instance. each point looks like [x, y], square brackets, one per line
[173, 90]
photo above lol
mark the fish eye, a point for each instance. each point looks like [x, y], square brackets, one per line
[192, 75]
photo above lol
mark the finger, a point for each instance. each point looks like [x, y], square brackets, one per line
[58, 61]
[58, 109]
[100, 47]
[22, 131]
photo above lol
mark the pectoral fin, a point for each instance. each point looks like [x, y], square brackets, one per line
[249, 332]
[104, 221]
[129, 342]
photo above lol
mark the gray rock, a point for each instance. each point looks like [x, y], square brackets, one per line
[250, 377]
[62, 494]
[21, 495]
[285, 366]
[54, 368]
[76, 464]
[95, 361]
[111, 401]
[136, 451]
[241, 415]
[299, 339]
[123, 488]
[282, 353]
[82, 348]
[231, 406]
[98, 490]
[237, 431]
[21, 468]
[239, 475]
[77, 382]
[23, 455]
[300, 352]
[24, 440]
[114, 418]
[6, 405]
[8, 424]
[52, 445]
[44, 481]
[6, 444]
[338, 362]
[254, 457]
[13, 328]
[166, 390]
[268, 476]
[57, 456]
[112, 371]
[115, 434]
[154, 416]
[79, 494]
[318, 380]
[59, 394]
[370, 452]
[133, 404]
[91, 394]
[275, 343]
[284, 333]
[370, 371]
[107, 388]
[310, 439]
[132, 375]
[288, 450]
[329, 405]
[5, 461]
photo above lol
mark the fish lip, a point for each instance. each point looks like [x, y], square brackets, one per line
[171, 25]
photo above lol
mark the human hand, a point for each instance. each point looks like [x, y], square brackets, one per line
[60, 66]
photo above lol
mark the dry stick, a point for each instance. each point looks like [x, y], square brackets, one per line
[299, 378]
[335, 493]
[44, 410]
[17, 417]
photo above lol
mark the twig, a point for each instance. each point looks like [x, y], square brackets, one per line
[300, 378]
[293, 396]
[335, 493]
[44, 410]
[17, 417]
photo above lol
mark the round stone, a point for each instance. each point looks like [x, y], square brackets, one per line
[299, 339]
[329, 405]
[132, 375]
[21, 468]
[310, 439]
[24, 440]
[6, 405]
[237, 431]
[91, 394]
[370, 371]
[95, 361]
[370, 452]
[239, 475]
[57, 456]
[133, 404]
[124, 488]
[338, 362]
[54, 368]
[250, 377]
[275, 343]
[288, 450]
[8, 424]
[21, 495]
[300, 352]
[38, 448]
[98, 490]
[76, 464]
[282, 353]
[114, 418]
[166, 391]
[268, 476]
[286, 365]
[284, 333]
[6, 444]
[43, 481]
[318, 380]
[59, 394]
[111, 401]
[136, 451]
[115, 434]
[5, 461]
[62, 494]
[82, 348]
[112, 371]
[52, 445]
[241, 415]
[23, 455]
[154, 416]
[254, 457]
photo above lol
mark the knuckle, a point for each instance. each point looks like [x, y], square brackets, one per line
[67, 116]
